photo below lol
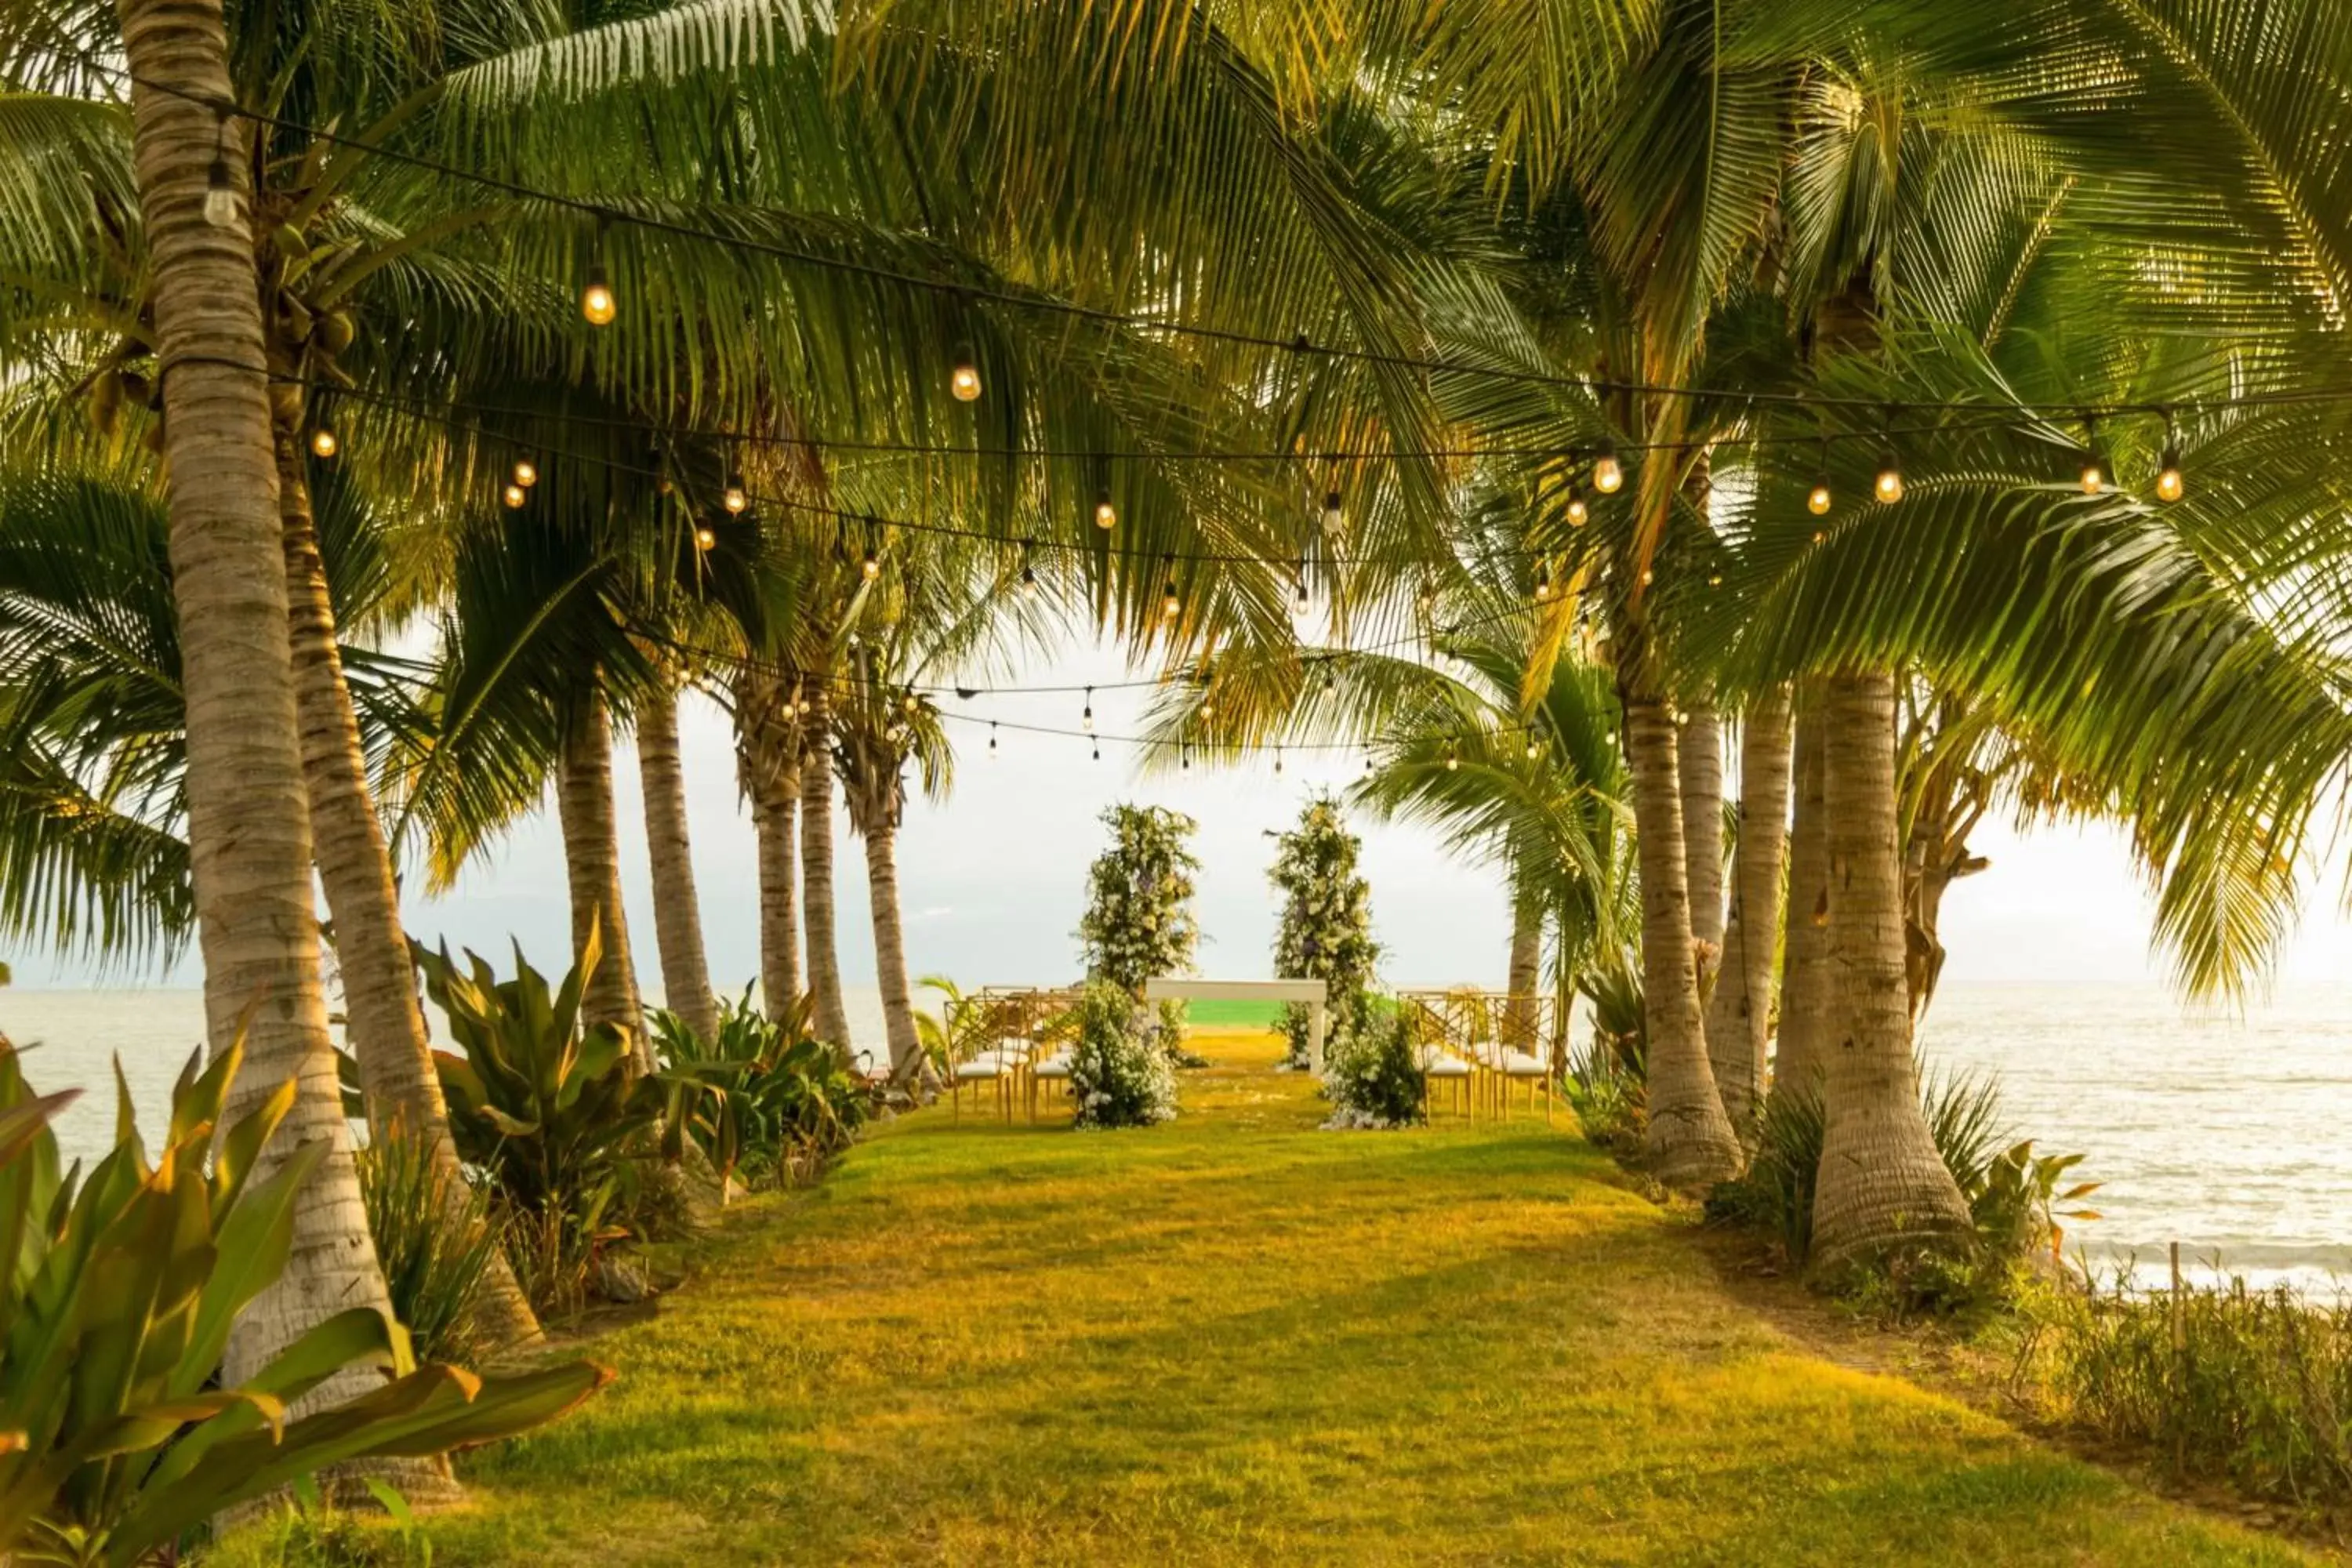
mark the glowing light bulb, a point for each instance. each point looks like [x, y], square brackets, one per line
[1543, 583]
[1301, 603]
[871, 567]
[1106, 514]
[1647, 577]
[2170, 486]
[1819, 536]
[1534, 751]
[704, 538]
[1087, 718]
[1889, 486]
[220, 195]
[1608, 475]
[1028, 578]
[596, 302]
[1453, 763]
[323, 442]
[2094, 477]
[526, 472]
[1171, 606]
[515, 496]
[1334, 517]
[735, 498]
[1817, 500]
[964, 379]
[1577, 512]
[1715, 579]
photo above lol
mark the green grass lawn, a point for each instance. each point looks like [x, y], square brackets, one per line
[1238, 1339]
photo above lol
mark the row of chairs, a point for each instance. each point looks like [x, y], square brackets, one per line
[1482, 1048]
[1016, 1041]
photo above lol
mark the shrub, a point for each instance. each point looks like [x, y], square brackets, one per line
[1370, 1071]
[116, 1309]
[1607, 1089]
[2253, 1385]
[435, 1241]
[771, 1102]
[1120, 1073]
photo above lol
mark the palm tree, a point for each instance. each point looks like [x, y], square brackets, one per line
[816, 859]
[767, 760]
[678, 916]
[1740, 1010]
[877, 732]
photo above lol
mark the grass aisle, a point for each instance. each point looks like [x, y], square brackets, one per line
[1238, 1339]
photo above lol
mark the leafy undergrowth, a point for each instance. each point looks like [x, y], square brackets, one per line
[1235, 1338]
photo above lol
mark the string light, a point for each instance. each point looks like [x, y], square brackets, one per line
[1171, 605]
[1087, 718]
[1608, 475]
[704, 537]
[1106, 514]
[323, 442]
[514, 496]
[526, 472]
[991, 739]
[1277, 762]
[1334, 518]
[1184, 757]
[596, 302]
[1534, 750]
[1452, 760]
[964, 379]
[2093, 477]
[1577, 512]
[735, 498]
[1098, 751]
[1367, 761]
[1299, 604]
[1028, 578]
[220, 191]
[1543, 582]
[871, 567]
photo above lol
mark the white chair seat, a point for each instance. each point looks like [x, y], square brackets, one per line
[1053, 1067]
[1437, 1064]
[1518, 1064]
[981, 1067]
[1003, 1057]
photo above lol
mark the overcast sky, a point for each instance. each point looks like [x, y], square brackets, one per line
[992, 880]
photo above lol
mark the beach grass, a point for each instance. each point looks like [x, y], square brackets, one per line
[1238, 1339]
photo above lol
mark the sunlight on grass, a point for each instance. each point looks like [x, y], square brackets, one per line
[1238, 1339]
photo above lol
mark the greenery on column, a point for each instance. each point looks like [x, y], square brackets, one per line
[1327, 923]
[1139, 922]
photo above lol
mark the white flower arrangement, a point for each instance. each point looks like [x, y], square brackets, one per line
[1326, 929]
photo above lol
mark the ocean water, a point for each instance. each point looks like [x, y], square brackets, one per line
[2230, 1135]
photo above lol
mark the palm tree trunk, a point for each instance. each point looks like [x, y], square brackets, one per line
[248, 820]
[816, 871]
[767, 770]
[1698, 763]
[1739, 1014]
[1689, 1143]
[1804, 937]
[592, 865]
[384, 1022]
[1881, 1182]
[890, 951]
[1521, 1005]
[678, 915]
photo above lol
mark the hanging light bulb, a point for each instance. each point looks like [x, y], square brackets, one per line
[1453, 762]
[323, 442]
[1889, 486]
[1171, 606]
[2170, 486]
[1535, 748]
[964, 379]
[991, 738]
[704, 537]
[1334, 517]
[2093, 476]
[735, 498]
[1028, 578]
[220, 195]
[1818, 535]
[871, 567]
[1543, 582]
[1817, 500]
[1301, 603]
[1607, 474]
[514, 496]
[526, 472]
[1184, 758]
[596, 302]
[1087, 718]
[1647, 576]
[1208, 708]
[1098, 751]
[1577, 512]
[1715, 579]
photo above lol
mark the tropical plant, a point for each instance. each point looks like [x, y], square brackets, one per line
[551, 1110]
[1120, 1071]
[436, 1246]
[1326, 930]
[765, 1099]
[115, 1313]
